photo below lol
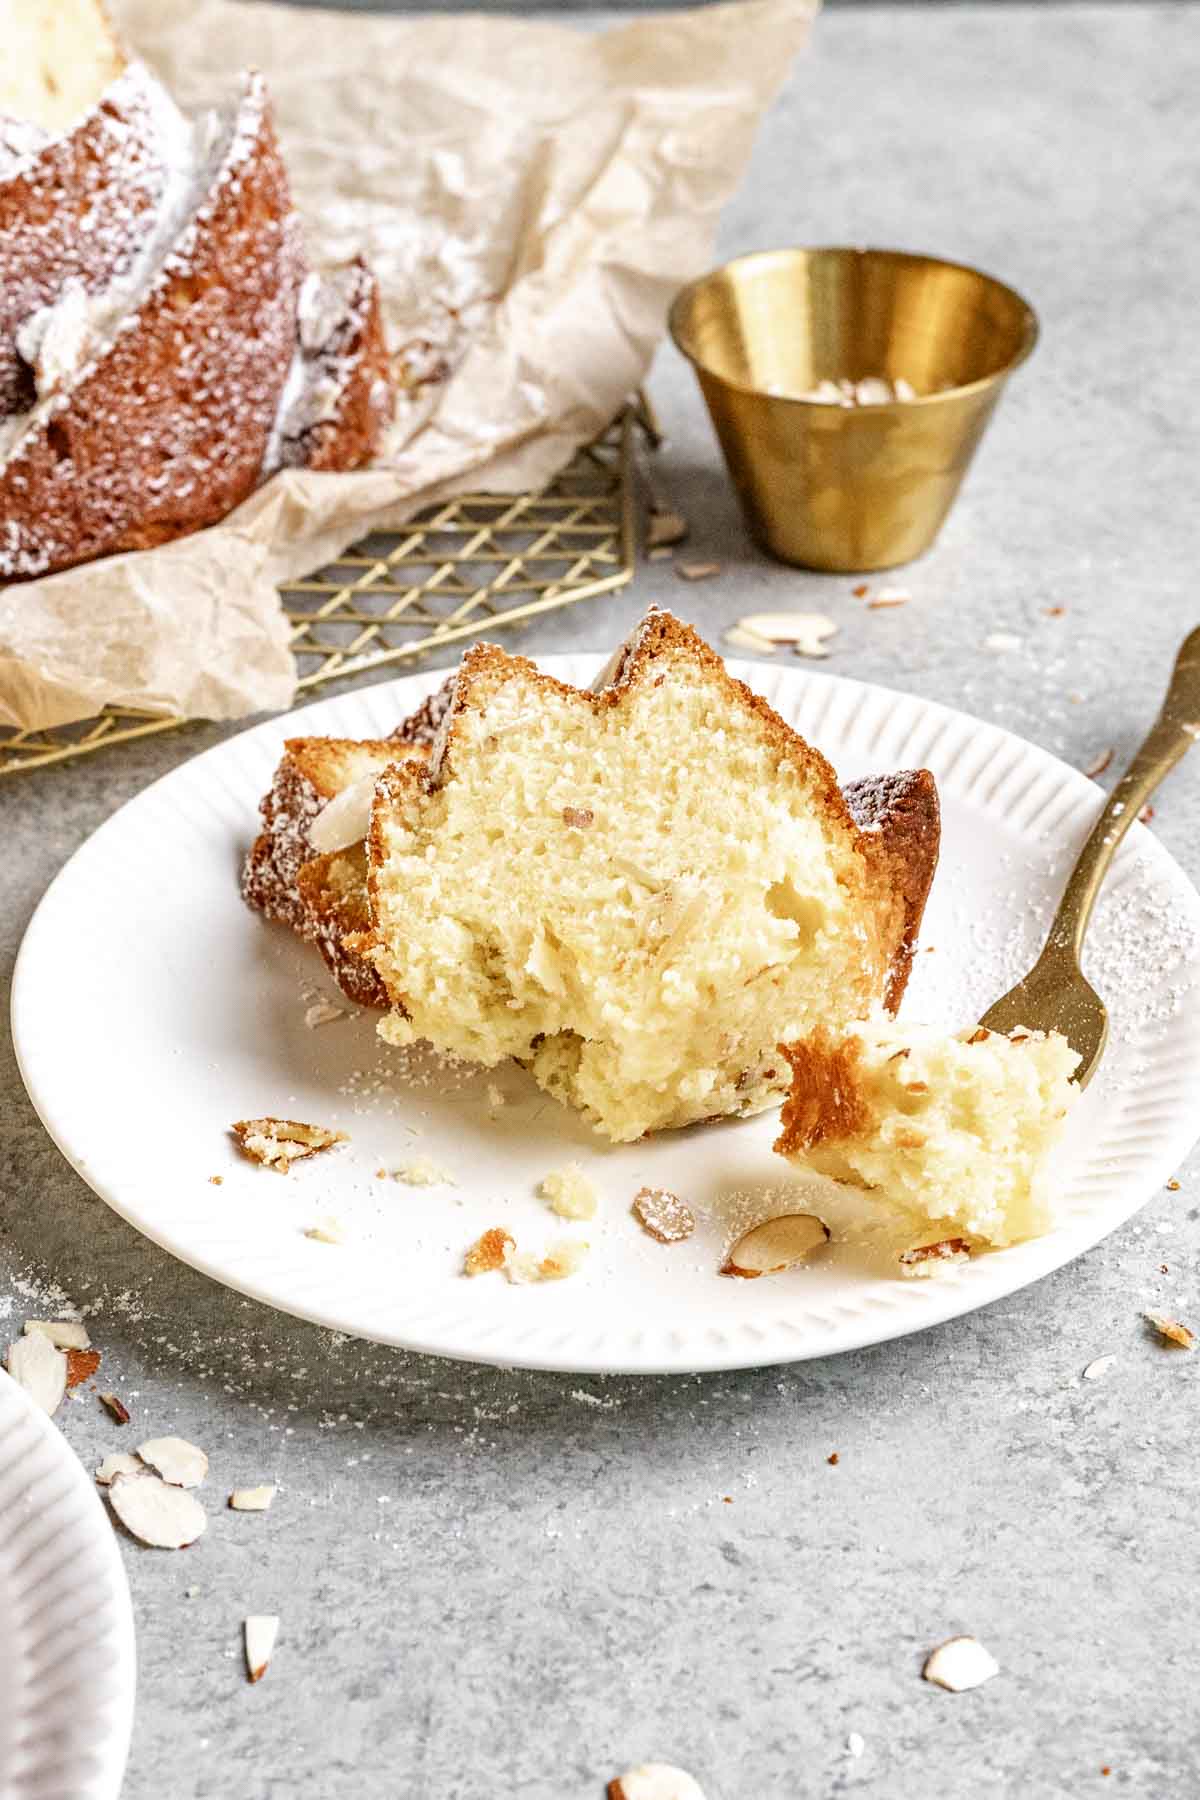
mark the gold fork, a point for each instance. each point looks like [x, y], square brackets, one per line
[1056, 995]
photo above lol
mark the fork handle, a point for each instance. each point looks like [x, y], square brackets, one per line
[1170, 737]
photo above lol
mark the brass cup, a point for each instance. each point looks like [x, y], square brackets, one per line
[849, 488]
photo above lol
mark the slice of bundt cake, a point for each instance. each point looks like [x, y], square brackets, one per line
[56, 59]
[633, 890]
[952, 1133]
[164, 379]
[162, 424]
[74, 212]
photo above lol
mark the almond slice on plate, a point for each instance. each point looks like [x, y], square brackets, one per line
[261, 1630]
[960, 1663]
[64, 1334]
[655, 1781]
[165, 1517]
[117, 1408]
[278, 1143]
[775, 1245]
[40, 1368]
[663, 1215]
[176, 1460]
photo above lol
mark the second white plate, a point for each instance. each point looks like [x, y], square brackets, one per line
[150, 1009]
[65, 1619]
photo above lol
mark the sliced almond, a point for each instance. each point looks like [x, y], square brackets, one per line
[344, 820]
[1097, 1370]
[697, 571]
[117, 1408]
[775, 1245]
[663, 1215]
[119, 1463]
[81, 1366]
[952, 1249]
[578, 817]
[157, 1513]
[261, 1631]
[1170, 1329]
[177, 1461]
[64, 1334]
[1099, 763]
[278, 1143]
[888, 597]
[488, 1252]
[805, 632]
[741, 639]
[40, 1368]
[960, 1663]
[664, 529]
[255, 1499]
[655, 1781]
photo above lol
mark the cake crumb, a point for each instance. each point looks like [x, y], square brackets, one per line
[560, 1260]
[488, 1252]
[424, 1172]
[569, 1192]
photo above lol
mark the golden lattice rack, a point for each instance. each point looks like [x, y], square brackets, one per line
[475, 562]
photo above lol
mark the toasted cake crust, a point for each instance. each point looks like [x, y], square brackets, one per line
[905, 813]
[345, 376]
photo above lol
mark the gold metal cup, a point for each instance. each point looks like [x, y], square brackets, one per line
[849, 488]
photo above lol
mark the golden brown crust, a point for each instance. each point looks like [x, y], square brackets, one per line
[310, 772]
[333, 896]
[826, 1100]
[904, 814]
[145, 448]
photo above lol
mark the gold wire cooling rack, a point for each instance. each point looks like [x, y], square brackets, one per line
[477, 561]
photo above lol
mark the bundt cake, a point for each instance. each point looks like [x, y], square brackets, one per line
[58, 57]
[637, 891]
[152, 377]
[952, 1134]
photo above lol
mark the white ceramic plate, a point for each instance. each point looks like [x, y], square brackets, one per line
[150, 1009]
[65, 1620]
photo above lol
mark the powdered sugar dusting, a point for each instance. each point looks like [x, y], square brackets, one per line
[197, 330]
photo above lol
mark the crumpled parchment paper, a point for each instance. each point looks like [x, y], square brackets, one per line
[531, 196]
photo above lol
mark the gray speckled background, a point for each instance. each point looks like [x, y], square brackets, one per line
[497, 1584]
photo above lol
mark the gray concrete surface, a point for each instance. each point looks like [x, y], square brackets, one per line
[501, 1584]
